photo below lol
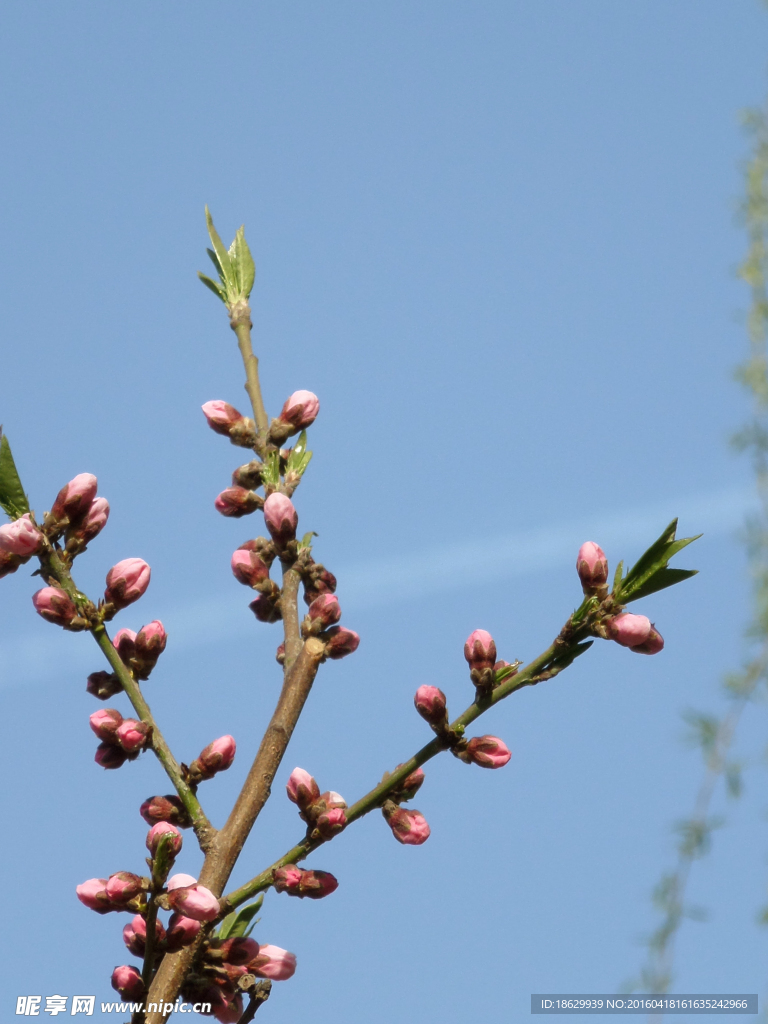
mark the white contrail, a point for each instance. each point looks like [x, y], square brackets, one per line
[36, 657]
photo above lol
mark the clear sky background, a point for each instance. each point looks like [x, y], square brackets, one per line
[498, 240]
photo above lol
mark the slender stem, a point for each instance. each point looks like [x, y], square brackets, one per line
[289, 604]
[203, 828]
[149, 949]
[241, 325]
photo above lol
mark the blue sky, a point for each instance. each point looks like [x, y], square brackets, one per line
[499, 241]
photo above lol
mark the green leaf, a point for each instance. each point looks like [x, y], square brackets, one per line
[270, 473]
[567, 658]
[641, 578]
[617, 575]
[245, 268]
[222, 255]
[299, 458]
[217, 290]
[306, 540]
[235, 924]
[13, 500]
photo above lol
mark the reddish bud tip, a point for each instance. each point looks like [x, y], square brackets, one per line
[274, 963]
[109, 756]
[221, 416]
[331, 822]
[93, 894]
[431, 704]
[340, 642]
[133, 735]
[74, 499]
[21, 537]
[122, 887]
[281, 518]
[408, 827]
[165, 808]
[127, 981]
[652, 645]
[124, 642]
[151, 640]
[300, 410]
[324, 611]
[103, 685]
[629, 630]
[248, 568]
[302, 789]
[592, 566]
[164, 828]
[194, 901]
[488, 751]
[480, 650]
[94, 521]
[216, 757]
[182, 931]
[54, 606]
[105, 724]
[127, 581]
[236, 502]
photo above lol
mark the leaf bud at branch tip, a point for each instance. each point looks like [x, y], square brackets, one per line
[592, 566]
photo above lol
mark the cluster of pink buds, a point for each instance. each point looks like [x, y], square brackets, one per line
[323, 812]
[78, 513]
[250, 566]
[122, 739]
[216, 757]
[140, 651]
[126, 582]
[224, 962]
[635, 632]
[224, 419]
[322, 615]
[121, 891]
[297, 882]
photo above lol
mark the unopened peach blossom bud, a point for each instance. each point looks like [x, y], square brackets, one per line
[151, 640]
[629, 630]
[93, 894]
[408, 827]
[281, 518]
[488, 751]
[280, 654]
[105, 722]
[133, 735]
[288, 879]
[236, 502]
[135, 935]
[238, 951]
[127, 981]
[179, 881]
[331, 822]
[182, 931]
[652, 644]
[317, 884]
[74, 499]
[54, 606]
[221, 416]
[431, 704]
[110, 756]
[123, 886]
[302, 789]
[9, 563]
[333, 799]
[480, 650]
[411, 784]
[103, 685]
[320, 582]
[274, 963]
[339, 642]
[216, 757]
[127, 581]
[324, 611]
[94, 520]
[21, 537]
[300, 410]
[124, 642]
[248, 568]
[194, 901]
[592, 566]
[165, 808]
[232, 1012]
[266, 608]
[164, 828]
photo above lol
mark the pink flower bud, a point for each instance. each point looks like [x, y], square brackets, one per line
[281, 518]
[165, 808]
[179, 881]
[232, 1012]
[236, 502]
[652, 645]
[105, 724]
[629, 630]
[431, 705]
[127, 981]
[135, 935]
[216, 757]
[317, 884]
[163, 828]
[110, 756]
[74, 499]
[151, 640]
[21, 537]
[302, 789]
[124, 642]
[266, 608]
[322, 582]
[324, 611]
[333, 799]
[94, 520]
[288, 879]
[488, 751]
[340, 642]
[127, 581]
[248, 568]
[123, 886]
[182, 931]
[274, 963]
[592, 566]
[280, 654]
[194, 901]
[133, 735]
[54, 606]
[408, 827]
[239, 951]
[221, 416]
[93, 894]
[331, 822]
[103, 685]
[411, 784]
[300, 410]
[480, 650]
